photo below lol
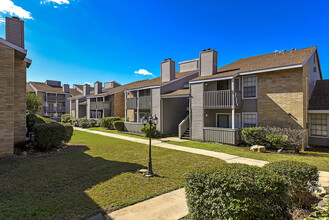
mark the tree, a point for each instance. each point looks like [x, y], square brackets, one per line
[33, 102]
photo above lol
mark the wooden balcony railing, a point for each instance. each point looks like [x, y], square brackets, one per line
[222, 99]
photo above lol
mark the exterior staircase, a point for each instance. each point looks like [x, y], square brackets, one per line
[184, 129]
[186, 134]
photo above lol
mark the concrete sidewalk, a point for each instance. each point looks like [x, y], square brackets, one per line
[159, 207]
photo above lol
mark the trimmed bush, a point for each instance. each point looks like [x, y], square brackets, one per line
[33, 119]
[119, 125]
[254, 136]
[65, 118]
[237, 191]
[301, 177]
[146, 130]
[49, 136]
[108, 122]
[273, 137]
[68, 132]
[94, 122]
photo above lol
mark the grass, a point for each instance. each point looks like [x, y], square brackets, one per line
[118, 132]
[318, 159]
[95, 174]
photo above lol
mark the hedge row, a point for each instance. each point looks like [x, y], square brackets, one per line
[238, 191]
[275, 138]
[84, 123]
[108, 122]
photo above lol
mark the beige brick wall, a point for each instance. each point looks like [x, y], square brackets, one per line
[20, 102]
[7, 57]
[119, 104]
[281, 93]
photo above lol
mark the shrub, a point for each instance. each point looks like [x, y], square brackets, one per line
[108, 122]
[146, 130]
[237, 191]
[33, 119]
[94, 122]
[68, 132]
[276, 140]
[49, 136]
[65, 118]
[84, 123]
[254, 136]
[321, 212]
[274, 137]
[301, 177]
[119, 125]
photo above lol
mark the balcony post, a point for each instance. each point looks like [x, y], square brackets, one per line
[137, 105]
[233, 104]
[125, 106]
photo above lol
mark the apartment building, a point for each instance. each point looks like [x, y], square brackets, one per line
[13, 65]
[267, 90]
[166, 96]
[55, 97]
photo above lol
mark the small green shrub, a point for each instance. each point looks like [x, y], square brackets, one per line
[94, 122]
[237, 191]
[254, 136]
[65, 118]
[33, 119]
[301, 177]
[49, 136]
[119, 125]
[146, 130]
[321, 212]
[68, 132]
[276, 140]
[84, 123]
[108, 122]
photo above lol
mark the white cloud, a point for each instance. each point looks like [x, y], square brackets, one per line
[2, 20]
[59, 2]
[143, 72]
[8, 7]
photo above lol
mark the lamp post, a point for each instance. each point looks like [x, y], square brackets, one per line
[150, 121]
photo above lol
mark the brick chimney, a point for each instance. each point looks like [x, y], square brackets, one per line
[66, 88]
[208, 62]
[167, 70]
[86, 89]
[98, 87]
[15, 31]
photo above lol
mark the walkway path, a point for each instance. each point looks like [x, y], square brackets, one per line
[145, 212]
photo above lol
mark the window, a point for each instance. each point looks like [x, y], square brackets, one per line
[249, 120]
[249, 87]
[319, 125]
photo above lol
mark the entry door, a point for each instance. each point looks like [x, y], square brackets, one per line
[223, 121]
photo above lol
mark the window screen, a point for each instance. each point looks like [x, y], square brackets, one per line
[249, 120]
[249, 87]
[319, 125]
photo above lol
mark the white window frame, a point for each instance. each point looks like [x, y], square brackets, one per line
[230, 118]
[256, 87]
[310, 128]
[244, 113]
[238, 78]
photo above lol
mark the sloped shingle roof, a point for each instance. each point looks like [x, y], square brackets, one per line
[179, 92]
[320, 96]
[262, 62]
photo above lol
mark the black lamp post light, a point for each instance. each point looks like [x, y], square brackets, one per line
[149, 121]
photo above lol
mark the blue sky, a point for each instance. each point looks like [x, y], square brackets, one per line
[78, 41]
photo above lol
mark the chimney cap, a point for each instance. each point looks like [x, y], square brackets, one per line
[15, 17]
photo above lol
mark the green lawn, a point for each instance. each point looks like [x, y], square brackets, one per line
[96, 173]
[118, 132]
[321, 160]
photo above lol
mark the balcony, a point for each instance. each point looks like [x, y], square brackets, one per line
[61, 109]
[61, 99]
[54, 109]
[222, 99]
[132, 103]
[51, 99]
[50, 109]
[145, 102]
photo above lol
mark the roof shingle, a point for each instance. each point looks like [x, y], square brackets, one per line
[262, 62]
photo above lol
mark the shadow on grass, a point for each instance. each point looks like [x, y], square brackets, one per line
[55, 186]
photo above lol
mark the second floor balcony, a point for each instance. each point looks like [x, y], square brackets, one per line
[222, 99]
[54, 109]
